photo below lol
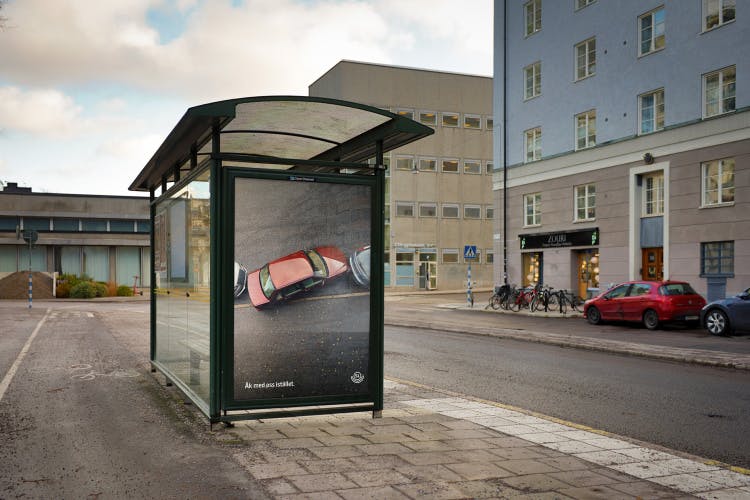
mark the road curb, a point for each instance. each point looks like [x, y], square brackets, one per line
[681, 355]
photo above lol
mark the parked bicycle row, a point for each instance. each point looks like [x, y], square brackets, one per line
[534, 298]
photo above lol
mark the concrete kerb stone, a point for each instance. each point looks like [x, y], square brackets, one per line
[692, 356]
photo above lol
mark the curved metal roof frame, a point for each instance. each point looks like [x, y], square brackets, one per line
[279, 128]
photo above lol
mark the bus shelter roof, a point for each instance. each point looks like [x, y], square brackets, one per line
[277, 130]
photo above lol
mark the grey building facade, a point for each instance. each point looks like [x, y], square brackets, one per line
[625, 132]
[104, 237]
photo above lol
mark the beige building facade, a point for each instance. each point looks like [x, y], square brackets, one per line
[439, 190]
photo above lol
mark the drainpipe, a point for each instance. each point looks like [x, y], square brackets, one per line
[505, 143]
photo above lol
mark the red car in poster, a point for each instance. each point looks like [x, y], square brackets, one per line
[649, 302]
[296, 273]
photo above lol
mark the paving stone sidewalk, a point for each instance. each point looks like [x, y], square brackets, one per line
[432, 444]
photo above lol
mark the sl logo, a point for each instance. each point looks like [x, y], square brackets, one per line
[357, 377]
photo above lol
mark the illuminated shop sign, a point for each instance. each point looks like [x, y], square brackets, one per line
[582, 238]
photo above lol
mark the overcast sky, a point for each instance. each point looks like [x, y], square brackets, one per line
[89, 89]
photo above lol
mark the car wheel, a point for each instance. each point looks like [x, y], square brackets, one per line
[651, 319]
[593, 315]
[717, 322]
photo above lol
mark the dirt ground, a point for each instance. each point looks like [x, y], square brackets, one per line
[16, 286]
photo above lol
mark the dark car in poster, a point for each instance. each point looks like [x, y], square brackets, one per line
[727, 316]
[359, 262]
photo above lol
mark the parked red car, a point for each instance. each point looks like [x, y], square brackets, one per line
[299, 272]
[650, 302]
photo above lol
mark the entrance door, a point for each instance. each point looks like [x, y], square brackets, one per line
[588, 272]
[427, 270]
[652, 264]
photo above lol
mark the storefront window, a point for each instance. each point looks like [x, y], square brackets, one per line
[588, 273]
[531, 266]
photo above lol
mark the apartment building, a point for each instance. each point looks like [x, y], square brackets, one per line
[625, 142]
[439, 189]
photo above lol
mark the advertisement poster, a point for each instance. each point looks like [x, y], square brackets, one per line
[301, 287]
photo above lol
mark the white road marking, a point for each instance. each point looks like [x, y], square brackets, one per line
[14, 368]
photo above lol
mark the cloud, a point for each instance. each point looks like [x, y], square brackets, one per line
[45, 112]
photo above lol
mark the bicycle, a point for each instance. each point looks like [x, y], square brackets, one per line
[545, 299]
[567, 299]
[498, 296]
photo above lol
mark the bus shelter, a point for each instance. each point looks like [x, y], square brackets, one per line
[267, 217]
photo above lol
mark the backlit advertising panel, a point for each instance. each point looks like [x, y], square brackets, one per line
[301, 288]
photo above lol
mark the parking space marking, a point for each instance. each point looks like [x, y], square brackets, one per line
[14, 368]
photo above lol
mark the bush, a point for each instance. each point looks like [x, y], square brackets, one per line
[101, 289]
[111, 289]
[124, 291]
[63, 290]
[83, 290]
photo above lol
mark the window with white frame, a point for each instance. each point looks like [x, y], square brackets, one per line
[586, 130]
[586, 59]
[532, 75]
[651, 111]
[427, 165]
[448, 119]
[473, 122]
[449, 165]
[404, 163]
[404, 209]
[489, 212]
[490, 167]
[583, 3]
[472, 212]
[585, 200]
[532, 209]
[651, 28]
[718, 91]
[472, 167]
[450, 255]
[533, 16]
[428, 210]
[449, 210]
[490, 123]
[489, 256]
[428, 118]
[717, 13]
[408, 113]
[532, 144]
[718, 182]
[653, 194]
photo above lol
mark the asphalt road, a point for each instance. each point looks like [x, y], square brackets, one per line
[83, 418]
[698, 410]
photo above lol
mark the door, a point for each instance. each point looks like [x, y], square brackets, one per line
[652, 264]
[588, 272]
[637, 300]
[611, 304]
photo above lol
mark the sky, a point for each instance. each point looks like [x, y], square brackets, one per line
[90, 89]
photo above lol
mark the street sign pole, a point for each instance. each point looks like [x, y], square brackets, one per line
[30, 237]
[470, 253]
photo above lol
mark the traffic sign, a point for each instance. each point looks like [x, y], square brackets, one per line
[470, 252]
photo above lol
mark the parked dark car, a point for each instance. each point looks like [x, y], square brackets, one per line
[649, 302]
[359, 262]
[296, 273]
[727, 316]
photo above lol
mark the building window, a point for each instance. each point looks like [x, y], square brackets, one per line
[489, 256]
[533, 80]
[122, 226]
[427, 165]
[489, 212]
[472, 212]
[585, 202]
[404, 163]
[717, 258]
[532, 204]
[473, 121]
[428, 118]
[490, 123]
[718, 182]
[427, 210]
[405, 267]
[449, 211]
[586, 59]
[449, 165]
[144, 226]
[473, 167]
[653, 199]
[651, 111]
[450, 256]
[94, 225]
[533, 9]
[717, 13]
[41, 224]
[583, 3]
[532, 144]
[66, 225]
[490, 167]
[404, 209]
[449, 119]
[651, 27]
[718, 91]
[586, 130]
[407, 113]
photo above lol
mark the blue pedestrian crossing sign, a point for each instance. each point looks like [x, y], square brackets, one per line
[470, 252]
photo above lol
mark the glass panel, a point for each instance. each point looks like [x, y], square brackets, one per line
[70, 260]
[450, 211]
[427, 165]
[128, 265]
[8, 223]
[96, 263]
[94, 225]
[450, 256]
[404, 210]
[472, 122]
[36, 223]
[65, 225]
[404, 163]
[428, 117]
[427, 210]
[727, 11]
[38, 258]
[472, 167]
[450, 119]
[144, 226]
[8, 258]
[472, 212]
[122, 226]
[450, 166]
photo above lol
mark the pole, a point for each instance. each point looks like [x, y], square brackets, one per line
[469, 296]
[30, 276]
